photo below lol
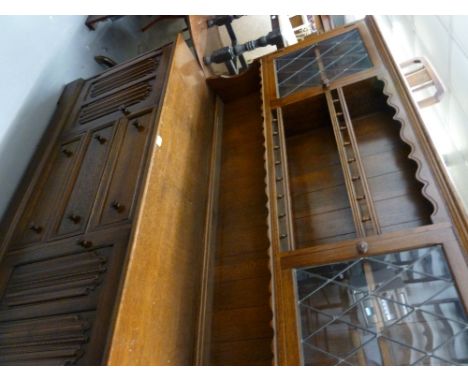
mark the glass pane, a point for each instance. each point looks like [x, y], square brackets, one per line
[330, 59]
[400, 308]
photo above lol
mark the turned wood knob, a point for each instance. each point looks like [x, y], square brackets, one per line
[36, 228]
[136, 123]
[362, 247]
[117, 206]
[74, 218]
[100, 139]
[124, 110]
[85, 243]
[67, 152]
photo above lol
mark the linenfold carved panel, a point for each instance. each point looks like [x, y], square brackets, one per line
[55, 340]
[126, 75]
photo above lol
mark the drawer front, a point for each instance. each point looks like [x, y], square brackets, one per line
[56, 301]
[36, 219]
[120, 194]
[78, 206]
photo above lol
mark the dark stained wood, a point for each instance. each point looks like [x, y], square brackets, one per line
[39, 162]
[320, 204]
[241, 331]
[243, 84]
[249, 352]
[397, 194]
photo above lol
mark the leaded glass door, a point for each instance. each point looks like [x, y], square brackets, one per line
[389, 306]
[343, 57]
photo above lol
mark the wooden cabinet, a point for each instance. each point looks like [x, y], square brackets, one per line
[368, 253]
[85, 205]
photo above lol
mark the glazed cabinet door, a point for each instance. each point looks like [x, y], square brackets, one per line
[383, 301]
[56, 301]
[341, 56]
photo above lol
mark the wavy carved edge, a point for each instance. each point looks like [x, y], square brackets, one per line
[414, 154]
[271, 268]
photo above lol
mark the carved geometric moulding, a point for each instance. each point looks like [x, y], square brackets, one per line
[401, 308]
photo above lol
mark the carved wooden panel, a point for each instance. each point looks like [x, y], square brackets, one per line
[118, 101]
[56, 301]
[118, 77]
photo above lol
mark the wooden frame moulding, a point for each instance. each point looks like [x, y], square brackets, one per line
[202, 352]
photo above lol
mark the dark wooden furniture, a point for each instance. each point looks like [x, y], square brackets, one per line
[119, 182]
[353, 181]
[294, 214]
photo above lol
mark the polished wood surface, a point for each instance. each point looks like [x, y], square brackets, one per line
[241, 331]
[156, 322]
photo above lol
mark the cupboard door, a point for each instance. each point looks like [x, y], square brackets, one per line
[403, 303]
[56, 301]
[75, 216]
[342, 56]
[120, 196]
[36, 219]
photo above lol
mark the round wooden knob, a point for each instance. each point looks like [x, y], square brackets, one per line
[36, 228]
[85, 243]
[67, 152]
[100, 139]
[117, 206]
[124, 110]
[136, 123]
[362, 247]
[74, 218]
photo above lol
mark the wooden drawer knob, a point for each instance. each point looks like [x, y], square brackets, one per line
[85, 243]
[74, 218]
[124, 110]
[100, 139]
[67, 152]
[362, 247]
[36, 228]
[136, 123]
[117, 206]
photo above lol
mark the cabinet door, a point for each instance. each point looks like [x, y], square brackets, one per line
[340, 56]
[75, 215]
[36, 218]
[119, 195]
[56, 301]
[402, 302]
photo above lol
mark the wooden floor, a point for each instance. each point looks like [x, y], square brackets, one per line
[241, 331]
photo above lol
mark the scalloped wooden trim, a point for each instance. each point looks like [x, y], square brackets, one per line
[428, 189]
[271, 267]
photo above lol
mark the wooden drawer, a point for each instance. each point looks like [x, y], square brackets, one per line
[56, 300]
[76, 209]
[36, 219]
[118, 195]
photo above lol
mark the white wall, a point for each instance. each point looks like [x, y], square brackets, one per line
[444, 41]
[39, 55]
